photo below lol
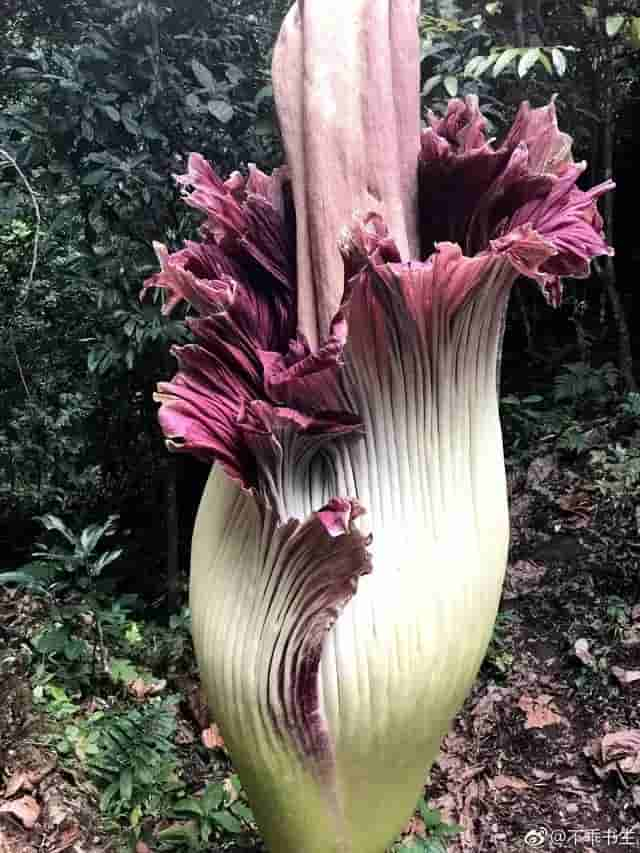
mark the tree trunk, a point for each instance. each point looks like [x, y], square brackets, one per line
[625, 355]
[604, 105]
[606, 268]
[173, 535]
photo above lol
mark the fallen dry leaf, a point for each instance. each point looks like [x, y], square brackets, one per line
[579, 505]
[631, 636]
[539, 470]
[543, 775]
[446, 805]
[511, 782]
[141, 847]
[212, 738]
[140, 689]
[618, 751]
[626, 676]
[540, 711]
[624, 748]
[581, 651]
[18, 781]
[470, 773]
[183, 734]
[27, 779]
[66, 838]
[198, 705]
[25, 809]
[416, 826]
[572, 783]
[522, 577]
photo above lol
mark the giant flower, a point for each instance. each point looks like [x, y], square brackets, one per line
[351, 541]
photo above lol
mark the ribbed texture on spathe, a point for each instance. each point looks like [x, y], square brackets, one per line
[403, 652]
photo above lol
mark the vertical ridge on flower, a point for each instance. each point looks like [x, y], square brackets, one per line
[336, 367]
[274, 614]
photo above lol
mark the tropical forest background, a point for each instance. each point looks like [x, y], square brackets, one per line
[101, 102]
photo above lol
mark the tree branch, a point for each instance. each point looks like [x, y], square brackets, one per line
[34, 259]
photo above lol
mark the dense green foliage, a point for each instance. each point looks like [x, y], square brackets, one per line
[101, 103]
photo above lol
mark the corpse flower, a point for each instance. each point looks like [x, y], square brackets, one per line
[351, 541]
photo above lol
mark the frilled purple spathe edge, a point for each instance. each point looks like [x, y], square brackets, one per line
[472, 193]
[250, 378]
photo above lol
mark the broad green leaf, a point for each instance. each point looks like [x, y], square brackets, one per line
[472, 64]
[108, 796]
[506, 57]
[451, 85]
[86, 128]
[450, 829]
[131, 125]
[189, 805]
[433, 845]
[612, 24]
[234, 74]
[222, 110]
[105, 560]
[112, 112]
[431, 83]
[203, 75]
[486, 62]
[22, 579]
[121, 669]
[212, 797]
[431, 817]
[559, 61]
[89, 537]
[126, 785]
[193, 102]
[94, 358]
[185, 834]
[243, 811]
[91, 179]
[52, 522]
[635, 32]
[74, 649]
[24, 73]
[227, 821]
[528, 60]
[543, 59]
[265, 92]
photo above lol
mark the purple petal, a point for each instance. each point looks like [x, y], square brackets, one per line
[283, 442]
[462, 126]
[472, 194]
[441, 284]
[246, 218]
[304, 378]
[549, 149]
